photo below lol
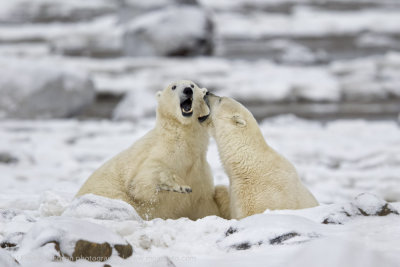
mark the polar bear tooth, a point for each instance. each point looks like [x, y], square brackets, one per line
[184, 111]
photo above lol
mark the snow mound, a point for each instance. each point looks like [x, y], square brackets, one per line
[364, 205]
[32, 89]
[167, 32]
[68, 237]
[270, 229]
[102, 208]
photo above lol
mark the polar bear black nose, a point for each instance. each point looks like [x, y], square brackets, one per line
[188, 91]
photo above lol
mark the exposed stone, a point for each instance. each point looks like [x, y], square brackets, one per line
[91, 251]
[7, 158]
[124, 251]
[75, 239]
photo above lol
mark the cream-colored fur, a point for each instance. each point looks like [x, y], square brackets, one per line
[157, 173]
[260, 178]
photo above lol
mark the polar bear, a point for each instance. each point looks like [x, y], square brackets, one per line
[165, 173]
[259, 177]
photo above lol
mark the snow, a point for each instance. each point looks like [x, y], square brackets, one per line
[337, 167]
[97, 207]
[324, 53]
[6, 260]
[52, 204]
[65, 231]
[274, 229]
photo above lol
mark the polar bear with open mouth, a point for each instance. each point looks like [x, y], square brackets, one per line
[165, 174]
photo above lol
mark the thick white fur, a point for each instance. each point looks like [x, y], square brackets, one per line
[171, 157]
[260, 178]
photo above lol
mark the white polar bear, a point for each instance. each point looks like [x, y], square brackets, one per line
[167, 161]
[260, 178]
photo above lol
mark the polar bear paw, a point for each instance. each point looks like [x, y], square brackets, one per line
[170, 182]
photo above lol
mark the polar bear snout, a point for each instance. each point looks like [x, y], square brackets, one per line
[188, 91]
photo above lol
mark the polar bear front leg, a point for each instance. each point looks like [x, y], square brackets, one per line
[169, 181]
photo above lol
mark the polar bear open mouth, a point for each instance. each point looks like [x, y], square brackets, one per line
[186, 107]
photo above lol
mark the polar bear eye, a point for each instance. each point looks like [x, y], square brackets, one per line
[192, 85]
[174, 87]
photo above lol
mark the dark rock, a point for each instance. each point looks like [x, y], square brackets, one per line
[91, 251]
[330, 221]
[242, 246]
[363, 205]
[124, 251]
[7, 245]
[230, 231]
[383, 211]
[12, 240]
[65, 232]
[282, 238]
[7, 158]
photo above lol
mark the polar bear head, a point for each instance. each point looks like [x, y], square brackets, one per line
[183, 101]
[230, 118]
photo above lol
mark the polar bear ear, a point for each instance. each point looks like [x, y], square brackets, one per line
[240, 122]
[158, 95]
[204, 91]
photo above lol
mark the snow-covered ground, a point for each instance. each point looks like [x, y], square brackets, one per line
[331, 58]
[45, 162]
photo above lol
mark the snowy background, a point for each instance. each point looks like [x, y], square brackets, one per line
[77, 85]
